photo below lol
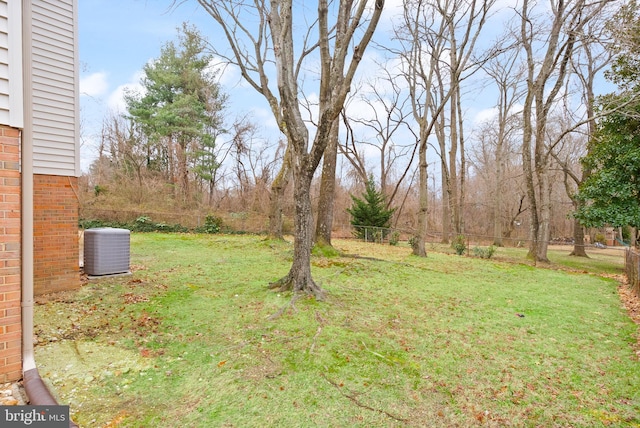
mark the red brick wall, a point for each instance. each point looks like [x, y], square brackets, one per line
[10, 277]
[55, 231]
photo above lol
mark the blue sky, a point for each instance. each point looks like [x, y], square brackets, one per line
[116, 38]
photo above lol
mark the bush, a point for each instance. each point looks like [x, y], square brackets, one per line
[212, 224]
[459, 244]
[484, 253]
[394, 239]
[141, 224]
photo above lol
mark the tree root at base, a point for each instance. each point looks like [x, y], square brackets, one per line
[308, 287]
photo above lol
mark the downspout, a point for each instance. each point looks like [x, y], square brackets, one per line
[37, 392]
[26, 153]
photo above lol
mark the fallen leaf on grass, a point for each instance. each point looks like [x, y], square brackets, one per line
[133, 298]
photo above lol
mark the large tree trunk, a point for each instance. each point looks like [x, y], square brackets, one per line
[529, 177]
[299, 276]
[544, 232]
[579, 249]
[327, 188]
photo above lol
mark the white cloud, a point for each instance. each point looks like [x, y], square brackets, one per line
[116, 102]
[228, 75]
[264, 117]
[486, 115]
[94, 85]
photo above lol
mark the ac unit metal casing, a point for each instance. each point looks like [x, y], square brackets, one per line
[106, 251]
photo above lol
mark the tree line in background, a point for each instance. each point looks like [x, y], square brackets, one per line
[515, 174]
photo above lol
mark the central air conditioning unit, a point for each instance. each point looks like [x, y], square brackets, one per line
[106, 251]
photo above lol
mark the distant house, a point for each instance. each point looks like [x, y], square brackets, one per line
[39, 166]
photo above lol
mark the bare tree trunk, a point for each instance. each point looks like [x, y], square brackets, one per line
[579, 249]
[453, 167]
[463, 165]
[276, 198]
[594, 64]
[545, 79]
[446, 208]
[184, 172]
[418, 244]
[327, 188]
[445, 179]
[497, 201]
[544, 232]
[527, 161]
[299, 277]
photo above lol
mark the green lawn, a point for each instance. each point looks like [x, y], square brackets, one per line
[400, 341]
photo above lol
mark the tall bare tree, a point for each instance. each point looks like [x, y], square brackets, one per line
[506, 73]
[422, 45]
[592, 56]
[439, 38]
[262, 34]
[554, 33]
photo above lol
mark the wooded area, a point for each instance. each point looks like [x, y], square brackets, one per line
[353, 101]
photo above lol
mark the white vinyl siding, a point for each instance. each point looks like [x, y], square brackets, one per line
[54, 97]
[4, 63]
[11, 96]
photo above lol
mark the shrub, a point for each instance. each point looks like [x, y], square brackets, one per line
[484, 253]
[144, 224]
[141, 224]
[394, 238]
[459, 244]
[212, 224]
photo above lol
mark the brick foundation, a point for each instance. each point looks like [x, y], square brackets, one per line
[10, 253]
[55, 230]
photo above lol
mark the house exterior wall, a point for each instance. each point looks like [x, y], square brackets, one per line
[55, 233]
[10, 259]
[54, 98]
[11, 84]
[51, 129]
[39, 116]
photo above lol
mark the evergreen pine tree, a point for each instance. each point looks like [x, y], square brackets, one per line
[369, 215]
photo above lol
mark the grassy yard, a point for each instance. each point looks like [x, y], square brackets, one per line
[400, 341]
